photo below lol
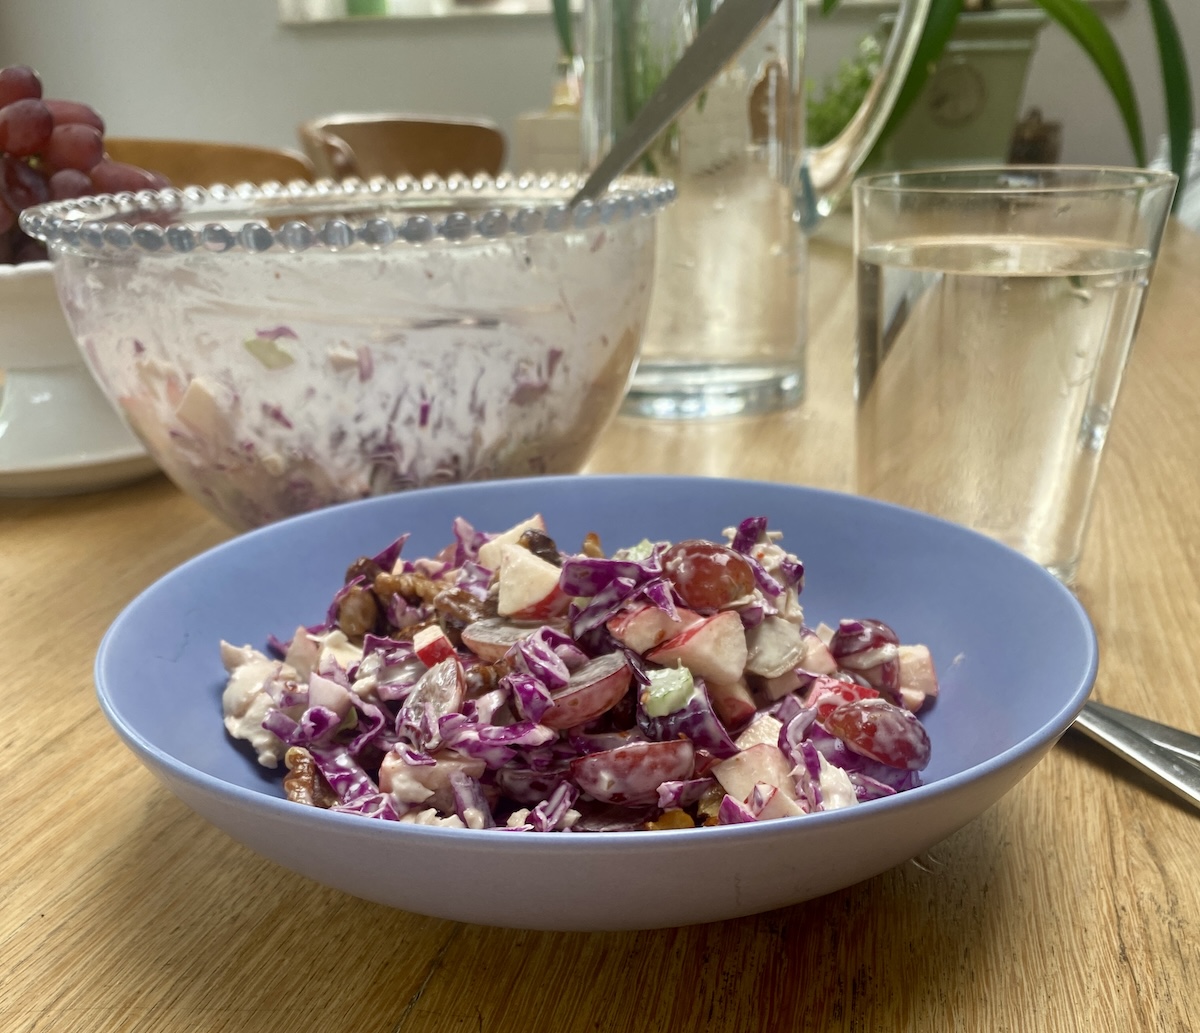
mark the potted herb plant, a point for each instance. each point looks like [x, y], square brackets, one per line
[972, 99]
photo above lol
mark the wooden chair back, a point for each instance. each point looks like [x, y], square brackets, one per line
[396, 145]
[202, 163]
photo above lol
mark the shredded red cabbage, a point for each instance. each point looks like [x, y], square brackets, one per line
[470, 728]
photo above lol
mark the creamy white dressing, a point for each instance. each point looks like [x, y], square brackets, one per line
[836, 788]
[760, 775]
[245, 703]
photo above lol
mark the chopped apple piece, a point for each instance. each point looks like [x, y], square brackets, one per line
[763, 729]
[303, 653]
[775, 646]
[489, 551]
[529, 588]
[325, 692]
[643, 626]
[917, 671]
[817, 657]
[732, 702]
[778, 687]
[426, 783]
[766, 802]
[432, 646]
[761, 763]
[713, 649]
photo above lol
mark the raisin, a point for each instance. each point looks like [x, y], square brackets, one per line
[541, 545]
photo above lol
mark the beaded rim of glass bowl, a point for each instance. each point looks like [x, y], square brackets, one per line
[504, 205]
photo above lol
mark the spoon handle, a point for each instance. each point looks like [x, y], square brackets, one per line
[724, 34]
[1169, 766]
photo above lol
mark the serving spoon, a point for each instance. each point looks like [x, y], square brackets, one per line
[728, 29]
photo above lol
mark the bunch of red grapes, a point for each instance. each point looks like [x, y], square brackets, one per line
[51, 150]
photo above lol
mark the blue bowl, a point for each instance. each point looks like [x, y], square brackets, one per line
[1015, 651]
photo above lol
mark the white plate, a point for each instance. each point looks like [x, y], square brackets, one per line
[95, 471]
[59, 435]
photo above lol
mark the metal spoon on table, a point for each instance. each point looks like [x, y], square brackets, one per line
[1167, 754]
[724, 34]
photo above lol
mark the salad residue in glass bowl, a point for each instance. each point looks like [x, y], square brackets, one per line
[283, 348]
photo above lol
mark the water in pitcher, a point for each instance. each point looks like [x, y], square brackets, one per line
[726, 328]
[987, 373]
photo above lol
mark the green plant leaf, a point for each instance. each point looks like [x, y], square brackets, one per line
[625, 71]
[1092, 34]
[939, 27]
[703, 12]
[1177, 87]
[637, 80]
[564, 24]
[828, 6]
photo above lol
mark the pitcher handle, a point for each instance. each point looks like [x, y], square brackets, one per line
[825, 173]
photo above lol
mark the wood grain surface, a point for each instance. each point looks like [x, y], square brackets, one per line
[1073, 904]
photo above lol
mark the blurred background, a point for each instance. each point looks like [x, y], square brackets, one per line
[251, 70]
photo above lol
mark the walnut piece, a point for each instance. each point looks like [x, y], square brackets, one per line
[358, 612]
[304, 783]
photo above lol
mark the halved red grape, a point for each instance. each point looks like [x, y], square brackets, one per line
[705, 575]
[882, 731]
[631, 774]
[827, 694]
[871, 650]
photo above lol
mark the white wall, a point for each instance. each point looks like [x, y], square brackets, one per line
[1066, 86]
[224, 69]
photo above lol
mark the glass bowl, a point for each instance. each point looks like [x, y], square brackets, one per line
[283, 348]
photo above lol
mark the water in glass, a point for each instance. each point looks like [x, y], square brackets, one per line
[987, 371]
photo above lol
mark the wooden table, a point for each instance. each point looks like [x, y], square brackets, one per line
[1073, 904]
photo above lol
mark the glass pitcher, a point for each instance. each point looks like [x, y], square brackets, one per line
[727, 326]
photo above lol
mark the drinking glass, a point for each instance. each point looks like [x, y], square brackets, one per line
[996, 310]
